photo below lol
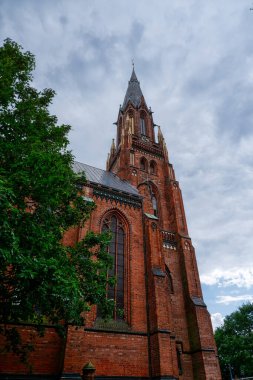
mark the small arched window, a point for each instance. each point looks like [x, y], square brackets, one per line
[154, 205]
[116, 250]
[153, 167]
[143, 126]
[143, 164]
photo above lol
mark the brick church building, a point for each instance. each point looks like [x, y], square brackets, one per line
[161, 328]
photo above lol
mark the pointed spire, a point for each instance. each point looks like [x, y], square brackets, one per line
[134, 93]
[134, 77]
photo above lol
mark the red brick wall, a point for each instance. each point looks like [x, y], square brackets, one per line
[45, 359]
[111, 353]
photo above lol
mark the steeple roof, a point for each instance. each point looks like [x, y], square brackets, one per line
[134, 93]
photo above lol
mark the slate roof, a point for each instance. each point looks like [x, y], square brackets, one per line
[134, 93]
[104, 178]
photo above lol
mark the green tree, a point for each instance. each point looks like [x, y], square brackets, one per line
[234, 341]
[40, 278]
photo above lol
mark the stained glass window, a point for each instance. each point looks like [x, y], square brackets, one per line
[116, 250]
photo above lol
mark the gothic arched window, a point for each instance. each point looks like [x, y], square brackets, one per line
[142, 126]
[114, 225]
[143, 164]
[154, 205]
[153, 167]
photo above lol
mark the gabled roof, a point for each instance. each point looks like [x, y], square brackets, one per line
[134, 93]
[105, 178]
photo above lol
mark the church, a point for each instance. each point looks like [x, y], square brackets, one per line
[161, 328]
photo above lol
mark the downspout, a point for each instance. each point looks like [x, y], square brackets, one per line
[147, 300]
[63, 351]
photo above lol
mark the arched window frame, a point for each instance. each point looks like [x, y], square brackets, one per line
[153, 167]
[155, 200]
[143, 164]
[143, 124]
[142, 127]
[120, 308]
[154, 205]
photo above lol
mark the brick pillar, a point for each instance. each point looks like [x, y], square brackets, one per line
[161, 344]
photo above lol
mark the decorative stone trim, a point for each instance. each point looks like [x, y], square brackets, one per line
[148, 148]
[187, 246]
[118, 197]
[169, 240]
[169, 246]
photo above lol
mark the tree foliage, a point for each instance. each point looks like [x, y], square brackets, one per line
[41, 280]
[234, 341]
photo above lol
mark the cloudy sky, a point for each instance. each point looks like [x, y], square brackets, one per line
[194, 60]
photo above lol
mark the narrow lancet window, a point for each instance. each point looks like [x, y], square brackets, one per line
[143, 164]
[142, 126]
[153, 167]
[179, 361]
[154, 205]
[116, 250]
[132, 158]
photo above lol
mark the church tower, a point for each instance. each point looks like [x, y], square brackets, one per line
[181, 342]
